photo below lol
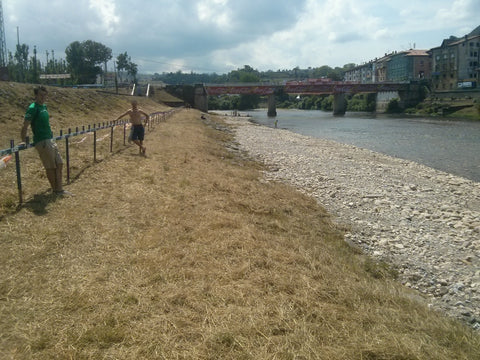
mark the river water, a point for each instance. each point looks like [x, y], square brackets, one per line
[450, 146]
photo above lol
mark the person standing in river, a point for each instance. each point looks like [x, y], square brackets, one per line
[138, 128]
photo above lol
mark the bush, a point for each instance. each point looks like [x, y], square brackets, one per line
[327, 103]
[393, 107]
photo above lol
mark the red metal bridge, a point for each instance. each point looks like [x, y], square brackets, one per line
[307, 87]
[384, 91]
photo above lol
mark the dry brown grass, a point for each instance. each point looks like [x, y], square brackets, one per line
[69, 109]
[189, 254]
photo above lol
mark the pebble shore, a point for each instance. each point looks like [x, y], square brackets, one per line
[424, 222]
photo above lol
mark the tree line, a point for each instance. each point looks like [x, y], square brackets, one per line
[249, 74]
[85, 61]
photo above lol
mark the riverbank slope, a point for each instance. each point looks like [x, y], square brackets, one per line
[422, 221]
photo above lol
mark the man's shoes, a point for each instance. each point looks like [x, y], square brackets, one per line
[64, 193]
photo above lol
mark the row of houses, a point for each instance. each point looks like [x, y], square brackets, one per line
[452, 65]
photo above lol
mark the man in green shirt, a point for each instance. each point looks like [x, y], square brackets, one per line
[38, 118]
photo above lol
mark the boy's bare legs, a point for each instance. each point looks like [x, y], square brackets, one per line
[142, 148]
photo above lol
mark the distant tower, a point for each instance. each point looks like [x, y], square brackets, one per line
[3, 46]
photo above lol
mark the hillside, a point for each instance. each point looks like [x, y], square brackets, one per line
[68, 107]
[189, 253]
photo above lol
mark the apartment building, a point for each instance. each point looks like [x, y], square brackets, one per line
[395, 67]
[456, 62]
[408, 65]
[380, 69]
[360, 74]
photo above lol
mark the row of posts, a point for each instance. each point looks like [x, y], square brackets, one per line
[154, 118]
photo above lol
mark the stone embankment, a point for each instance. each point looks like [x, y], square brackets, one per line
[424, 222]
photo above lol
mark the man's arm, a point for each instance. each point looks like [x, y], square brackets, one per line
[23, 132]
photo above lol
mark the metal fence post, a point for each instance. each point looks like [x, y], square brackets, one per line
[111, 137]
[67, 152]
[17, 166]
[94, 143]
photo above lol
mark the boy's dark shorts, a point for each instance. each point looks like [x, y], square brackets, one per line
[138, 132]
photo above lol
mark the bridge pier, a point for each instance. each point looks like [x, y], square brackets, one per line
[272, 106]
[200, 98]
[339, 104]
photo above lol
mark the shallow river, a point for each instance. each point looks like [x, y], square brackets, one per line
[450, 146]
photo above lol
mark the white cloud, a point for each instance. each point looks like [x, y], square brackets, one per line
[106, 18]
[462, 10]
[222, 35]
[214, 11]
[321, 35]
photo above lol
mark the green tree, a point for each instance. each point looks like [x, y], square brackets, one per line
[248, 75]
[84, 58]
[132, 70]
[21, 62]
[327, 103]
[122, 63]
[75, 60]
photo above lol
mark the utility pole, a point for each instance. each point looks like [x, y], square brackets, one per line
[3, 46]
[35, 76]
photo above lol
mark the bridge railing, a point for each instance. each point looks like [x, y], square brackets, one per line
[299, 87]
[14, 150]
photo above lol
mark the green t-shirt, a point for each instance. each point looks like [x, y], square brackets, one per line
[38, 117]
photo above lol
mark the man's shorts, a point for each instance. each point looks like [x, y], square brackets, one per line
[48, 151]
[138, 132]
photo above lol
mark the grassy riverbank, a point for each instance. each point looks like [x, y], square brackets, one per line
[189, 254]
[449, 108]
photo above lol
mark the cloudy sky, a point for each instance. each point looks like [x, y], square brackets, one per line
[224, 35]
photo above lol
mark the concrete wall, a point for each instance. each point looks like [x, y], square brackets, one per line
[383, 98]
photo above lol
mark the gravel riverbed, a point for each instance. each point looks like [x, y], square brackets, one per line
[424, 222]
